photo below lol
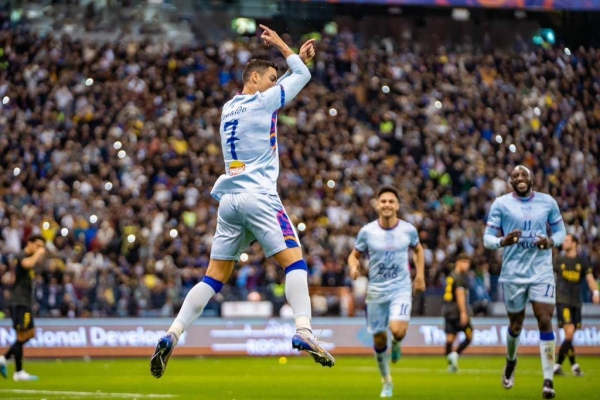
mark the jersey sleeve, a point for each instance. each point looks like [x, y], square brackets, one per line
[288, 86]
[361, 241]
[554, 217]
[494, 221]
[414, 237]
[587, 267]
[273, 99]
[460, 282]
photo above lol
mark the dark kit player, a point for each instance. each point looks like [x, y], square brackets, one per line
[21, 299]
[571, 269]
[456, 310]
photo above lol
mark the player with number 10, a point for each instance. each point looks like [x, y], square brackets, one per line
[523, 218]
[386, 241]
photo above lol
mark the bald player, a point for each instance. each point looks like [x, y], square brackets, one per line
[527, 225]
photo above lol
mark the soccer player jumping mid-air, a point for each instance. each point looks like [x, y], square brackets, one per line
[249, 206]
[522, 219]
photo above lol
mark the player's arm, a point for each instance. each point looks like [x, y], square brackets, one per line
[290, 86]
[32, 260]
[306, 54]
[558, 229]
[493, 228]
[461, 302]
[354, 263]
[359, 248]
[593, 285]
[419, 260]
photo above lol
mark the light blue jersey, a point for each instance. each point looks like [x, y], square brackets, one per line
[387, 250]
[524, 262]
[249, 135]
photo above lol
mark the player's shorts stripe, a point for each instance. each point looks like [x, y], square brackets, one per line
[273, 131]
[493, 226]
[554, 223]
[282, 96]
[286, 229]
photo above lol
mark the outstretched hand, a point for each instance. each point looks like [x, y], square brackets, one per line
[307, 51]
[270, 37]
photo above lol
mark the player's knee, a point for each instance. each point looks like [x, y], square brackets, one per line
[545, 323]
[515, 328]
[380, 340]
[399, 334]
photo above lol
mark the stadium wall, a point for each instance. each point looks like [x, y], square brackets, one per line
[266, 337]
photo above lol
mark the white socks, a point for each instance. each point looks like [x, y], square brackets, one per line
[547, 349]
[383, 362]
[296, 292]
[512, 344]
[192, 307]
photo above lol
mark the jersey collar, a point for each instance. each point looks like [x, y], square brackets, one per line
[524, 198]
[390, 228]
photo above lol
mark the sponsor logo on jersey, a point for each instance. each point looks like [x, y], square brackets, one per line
[236, 168]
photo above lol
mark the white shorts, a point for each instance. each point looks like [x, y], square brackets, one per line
[246, 217]
[516, 295]
[379, 315]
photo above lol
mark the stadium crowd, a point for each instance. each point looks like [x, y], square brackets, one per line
[110, 151]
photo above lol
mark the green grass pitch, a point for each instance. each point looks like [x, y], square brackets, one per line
[300, 378]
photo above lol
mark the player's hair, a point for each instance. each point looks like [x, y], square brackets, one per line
[522, 167]
[257, 65]
[34, 238]
[574, 238]
[388, 189]
[462, 256]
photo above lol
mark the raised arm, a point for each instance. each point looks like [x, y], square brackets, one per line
[306, 54]
[32, 260]
[288, 86]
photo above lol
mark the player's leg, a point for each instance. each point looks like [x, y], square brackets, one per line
[543, 300]
[377, 323]
[399, 314]
[450, 337]
[24, 326]
[218, 272]
[296, 293]
[563, 314]
[468, 331]
[230, 239]
[451, 328]
[14, 315]
[515, 299]
[266, 219]
[22, 338]
[570, 329]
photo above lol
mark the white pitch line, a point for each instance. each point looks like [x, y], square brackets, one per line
[470, 371]
[89, 394]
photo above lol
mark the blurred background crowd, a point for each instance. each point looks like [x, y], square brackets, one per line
[109, 150]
